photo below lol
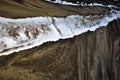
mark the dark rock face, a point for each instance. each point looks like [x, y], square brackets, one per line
[89, 56]
[99, 53]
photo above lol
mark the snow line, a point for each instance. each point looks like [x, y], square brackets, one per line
[26, 33]
[80, 3]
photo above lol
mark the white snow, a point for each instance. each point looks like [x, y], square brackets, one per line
[26, 33]
[80, 3]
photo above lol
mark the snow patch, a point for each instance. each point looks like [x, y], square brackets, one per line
[80, 3]
[26, 33]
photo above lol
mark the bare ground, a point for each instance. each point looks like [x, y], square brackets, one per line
[31, 8]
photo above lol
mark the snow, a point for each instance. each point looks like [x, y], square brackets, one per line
[26, 33]
[22, 36]
[80, 3]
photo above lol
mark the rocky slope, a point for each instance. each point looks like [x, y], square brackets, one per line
[90, 56]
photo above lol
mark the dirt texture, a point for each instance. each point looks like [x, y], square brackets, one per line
[89, 56]
[32, 8]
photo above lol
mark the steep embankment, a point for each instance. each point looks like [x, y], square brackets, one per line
[90, 56]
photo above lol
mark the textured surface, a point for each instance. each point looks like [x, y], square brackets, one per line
[90, 56]
[31, 8]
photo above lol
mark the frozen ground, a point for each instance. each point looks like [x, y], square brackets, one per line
[21, 34]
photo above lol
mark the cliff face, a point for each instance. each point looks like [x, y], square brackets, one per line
[98, 53]
[89, 56]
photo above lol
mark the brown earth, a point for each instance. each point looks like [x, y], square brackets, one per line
[31, 8]
[89, 56]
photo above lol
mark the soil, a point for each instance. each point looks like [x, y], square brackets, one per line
[89, 56]
[32, 8]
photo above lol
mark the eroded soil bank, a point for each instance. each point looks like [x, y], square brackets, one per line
[89, 56]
